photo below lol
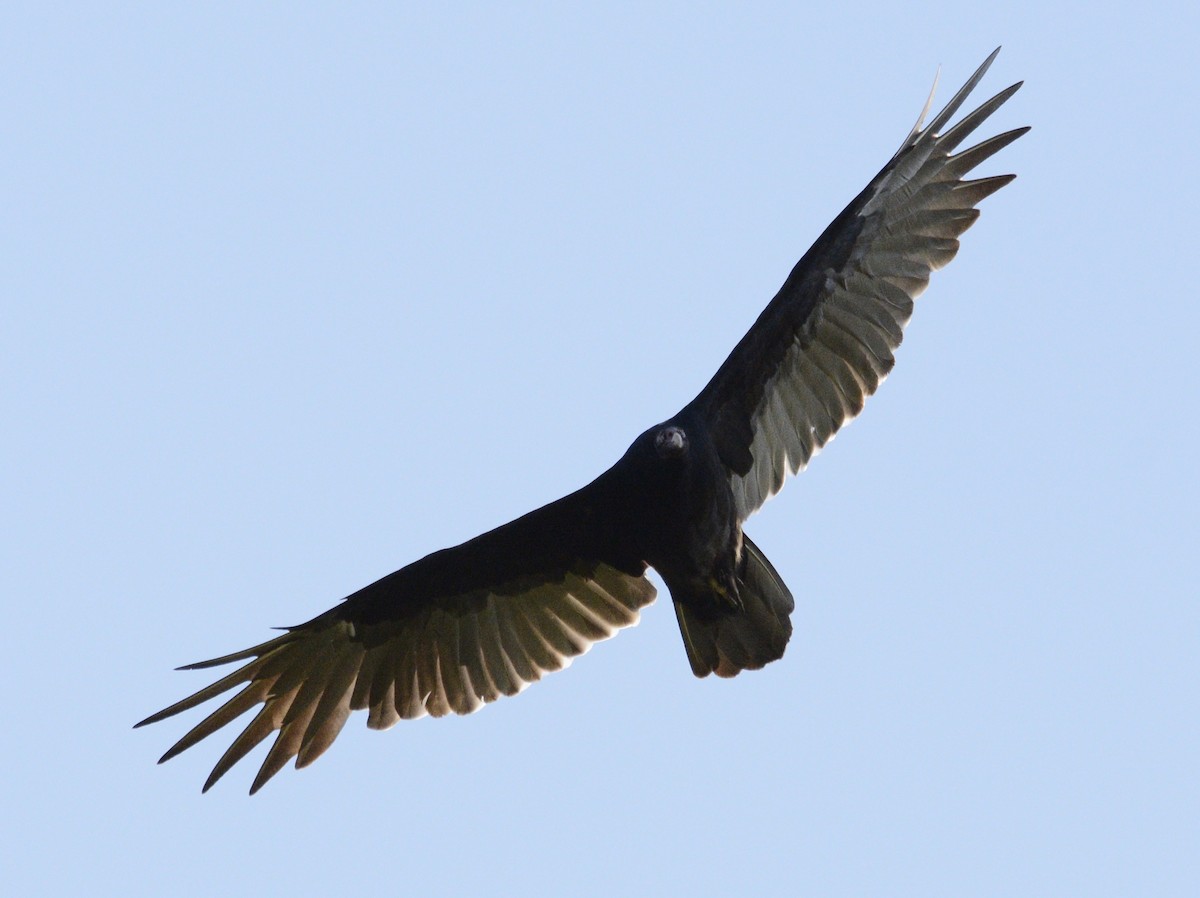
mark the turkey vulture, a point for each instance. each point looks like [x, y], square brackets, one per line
[463, 626]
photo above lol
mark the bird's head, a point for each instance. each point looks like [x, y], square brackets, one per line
[671, 441]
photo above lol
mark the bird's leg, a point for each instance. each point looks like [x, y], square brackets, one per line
[725, 589]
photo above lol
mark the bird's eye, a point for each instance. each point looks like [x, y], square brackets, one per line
[670, 442]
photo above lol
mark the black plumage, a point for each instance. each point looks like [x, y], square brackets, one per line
[466, 625]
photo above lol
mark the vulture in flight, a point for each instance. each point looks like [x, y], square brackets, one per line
[466, 625]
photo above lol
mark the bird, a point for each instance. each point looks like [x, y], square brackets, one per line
[464, 626]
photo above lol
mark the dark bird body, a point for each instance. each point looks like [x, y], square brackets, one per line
[463, 626]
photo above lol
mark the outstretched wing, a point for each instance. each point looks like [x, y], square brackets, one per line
[447, 634]
[825, 342]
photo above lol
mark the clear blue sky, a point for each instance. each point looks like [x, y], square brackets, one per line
[293, 297]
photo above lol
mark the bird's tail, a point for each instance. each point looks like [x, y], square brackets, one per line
[725, 641]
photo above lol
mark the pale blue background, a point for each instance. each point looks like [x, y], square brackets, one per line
[294, 295]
